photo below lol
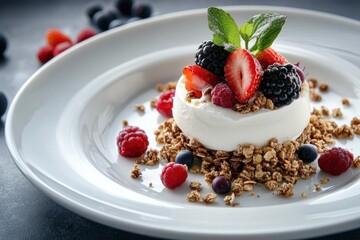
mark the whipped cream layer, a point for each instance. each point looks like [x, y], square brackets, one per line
[220, 128]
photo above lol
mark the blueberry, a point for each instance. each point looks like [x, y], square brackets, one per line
[92, 9]
[221, 185]
[102, 19]
[116, 23]
[3, 44]
[307, 153]
[185, 157]
[124, 6]
[142, 10]
[3, 104]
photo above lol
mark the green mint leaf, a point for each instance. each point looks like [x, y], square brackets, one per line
[267, 27]
[224, 28]
[246, 32]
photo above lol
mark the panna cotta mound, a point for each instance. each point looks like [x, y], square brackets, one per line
[224, 129]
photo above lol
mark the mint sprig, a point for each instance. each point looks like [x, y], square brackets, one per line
[266, 27]
[224, 28]
[262, 29]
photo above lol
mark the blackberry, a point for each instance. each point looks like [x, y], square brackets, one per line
[281, 84]
[211, 57]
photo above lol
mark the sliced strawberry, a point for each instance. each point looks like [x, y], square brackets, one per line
[270, 56]
[198, 79]
[243, 74]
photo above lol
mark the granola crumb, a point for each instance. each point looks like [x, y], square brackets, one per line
[150, 184]
[325, 111]
[325, 180]
[140, 107]
[336, 112]
[194, 196]
[153, 102]
[356, 163]
[135, 172]
[355, 125]
[195, 186]
[314, 96]
[151, 158]
[286, 190]
[317, 187]
[125, 123]
[209, 198]
[345, 101]
[229, 199]
[167, 86]
[303, 195]
[323, 87]
[313, 82]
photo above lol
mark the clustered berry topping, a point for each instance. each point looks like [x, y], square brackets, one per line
[281, 84]
[245, 70]
[132, 142]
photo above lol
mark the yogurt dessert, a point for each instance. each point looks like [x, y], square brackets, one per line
[224, 129]
[227, 77]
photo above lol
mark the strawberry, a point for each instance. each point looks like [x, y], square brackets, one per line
[243, 74]
[55, 37]
[198, 79]
[270, 56]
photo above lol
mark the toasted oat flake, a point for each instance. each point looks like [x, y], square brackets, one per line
[355, 125]
[209, 198]
[151, 158]
[345, 101]
[336, 112]
[313, 82]
[303, 195]
[153, 102]
[318, 188]
[356, 163]
[194, 196]
[325, 180]
[323, 87]
[135, 172]
[325, 111]
[195, 186]
[125, 123]
[286, 190]
[229, 199]
[140, 107]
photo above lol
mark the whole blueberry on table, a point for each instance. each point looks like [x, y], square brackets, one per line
[307, 153]
[3, 44]
[142, 10]
[102, 19]
[221, 185]
[3, 104]
[124, 6]
[92, 9]
[185, 157]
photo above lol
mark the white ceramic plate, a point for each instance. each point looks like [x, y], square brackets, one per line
[62, 125]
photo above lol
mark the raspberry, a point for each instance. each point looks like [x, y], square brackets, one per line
[85, 34]
[173, 175]
[61, 47]
[55, 37]
[132, 142]
[335, 161]
[45, 54]
[222, 96]
[164, 104]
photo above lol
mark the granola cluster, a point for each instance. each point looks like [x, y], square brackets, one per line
[275, 166]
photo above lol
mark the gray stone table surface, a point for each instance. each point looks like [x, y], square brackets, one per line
[25, 212]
